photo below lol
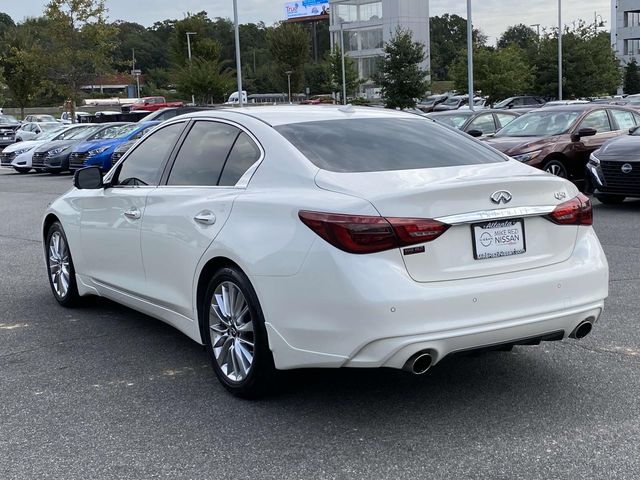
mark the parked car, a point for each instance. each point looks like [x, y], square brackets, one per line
[151, 104]
[53, 157]
[39, 119]
[527, 101]
[8, 127]
[458, 101]
[65, 117]
[294, 237]
[32, 130]
[427, 104]
[98, 151]
[476, 124]
[19, 155]
[556, 103]
[319, 99]
[614, 168]
[167, 113]
[559, 140]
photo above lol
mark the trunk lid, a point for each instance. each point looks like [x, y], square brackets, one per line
[461, 196]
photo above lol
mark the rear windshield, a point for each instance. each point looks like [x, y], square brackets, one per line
[382, 144]
[456, 120]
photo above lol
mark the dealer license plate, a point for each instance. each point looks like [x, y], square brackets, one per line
[499, 238]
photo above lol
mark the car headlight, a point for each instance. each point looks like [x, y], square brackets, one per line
[526, 157]
[96, 151]
[56, 151]
[22, 150]
[593, 160]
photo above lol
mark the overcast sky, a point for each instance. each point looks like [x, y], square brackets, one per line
[491, 16]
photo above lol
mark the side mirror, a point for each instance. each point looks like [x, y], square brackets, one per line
[89, 178]
[475, 133]
[583, 132]
[632, 130]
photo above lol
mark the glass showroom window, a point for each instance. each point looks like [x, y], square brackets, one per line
[350, 41]
[632, 46]
[371, 39]
[369, 66]
[371, 11]
[347, 13]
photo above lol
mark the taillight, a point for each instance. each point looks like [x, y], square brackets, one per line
[369, 234]
[576, 211]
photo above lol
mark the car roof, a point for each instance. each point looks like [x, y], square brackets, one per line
[288, 114]
[580, 107]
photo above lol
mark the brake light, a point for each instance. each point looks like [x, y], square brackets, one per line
[576, 211]
[368, 234]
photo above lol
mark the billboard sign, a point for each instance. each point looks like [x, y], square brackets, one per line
[306, 8]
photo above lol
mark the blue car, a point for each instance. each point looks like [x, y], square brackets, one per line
[98, 152]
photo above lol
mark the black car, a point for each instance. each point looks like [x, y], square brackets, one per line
[614, 169]
[525, 101]
[476, 124]
[8, 127]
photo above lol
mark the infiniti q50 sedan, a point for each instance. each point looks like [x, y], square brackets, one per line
[292, 237]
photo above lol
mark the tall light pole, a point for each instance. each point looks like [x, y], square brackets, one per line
[470, 55]
[289, 72]
[238, 63]
[344, 73]
[193, 98]
[559, 49]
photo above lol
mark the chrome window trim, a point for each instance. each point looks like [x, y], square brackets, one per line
[481, 215]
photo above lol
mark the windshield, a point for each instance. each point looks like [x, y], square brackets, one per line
[108, 133]
[456, 120]
[51, 126]
[633, 100]
[503, 103]
[71, 132]
[51, 133]
[451, 101]
[126, 130]
[539, 124]
[8, 119]
[383, 144]
[84, 133]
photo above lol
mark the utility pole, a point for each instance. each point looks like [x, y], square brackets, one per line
[238, 62]
[559, 49]
[470, 55]
[344, 73]
[134, 71]
[289, 72]
[193, 98]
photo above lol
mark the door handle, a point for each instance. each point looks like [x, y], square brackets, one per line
[205, 217]
[132, 214]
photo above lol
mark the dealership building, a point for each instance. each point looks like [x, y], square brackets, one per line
[367, 24]
[625, 29]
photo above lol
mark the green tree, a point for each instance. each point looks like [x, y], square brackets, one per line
[289, 47]
[401, 77]
[521, 35]
[333, 68]
[207, 80]
[590, 67]
[150, 51]
[497, 73]
[632, 78]
[448, 40]
[80, 44]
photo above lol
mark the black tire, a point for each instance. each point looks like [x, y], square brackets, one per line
[261, 372]
[556, 167]
[22, 170]
[609, 199]
[71, 297]
[54, 172]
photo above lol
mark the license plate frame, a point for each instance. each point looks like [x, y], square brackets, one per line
[484, 235]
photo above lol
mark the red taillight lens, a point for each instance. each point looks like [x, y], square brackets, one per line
[576, 211]
[368, 234]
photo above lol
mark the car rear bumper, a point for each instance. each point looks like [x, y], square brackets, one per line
[345, 310]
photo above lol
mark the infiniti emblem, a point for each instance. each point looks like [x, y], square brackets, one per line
[501, 196]
[626, 168]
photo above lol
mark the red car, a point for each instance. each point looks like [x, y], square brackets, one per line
[151, 104]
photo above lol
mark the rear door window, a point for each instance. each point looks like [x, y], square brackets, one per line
[484, 123]
[243, 154]
[382, 144]
[624, 119]
[504, 119]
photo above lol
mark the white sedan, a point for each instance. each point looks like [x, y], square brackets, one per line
[294, 237]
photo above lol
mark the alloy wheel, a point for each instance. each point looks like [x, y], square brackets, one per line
[231, 331]
[59, 265]
[556, 169]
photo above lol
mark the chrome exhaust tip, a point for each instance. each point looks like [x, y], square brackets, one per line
[419, 363]
[582, 330]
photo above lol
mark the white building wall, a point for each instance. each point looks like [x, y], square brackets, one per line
[624, 33]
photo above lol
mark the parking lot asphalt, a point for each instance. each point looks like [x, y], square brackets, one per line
[103, 392]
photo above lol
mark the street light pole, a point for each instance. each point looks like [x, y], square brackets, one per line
[289, 72]
[470, 55]
[193, 98]
[238, 62]
[559, 49]
[344, 73]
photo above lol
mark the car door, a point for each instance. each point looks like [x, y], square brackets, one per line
[600, 121]
[184, 215]
[484, 123]
[111, 220]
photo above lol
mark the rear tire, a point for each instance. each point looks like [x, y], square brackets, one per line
[556, 167]
[608, 199]
[235, 335]
[60, 270]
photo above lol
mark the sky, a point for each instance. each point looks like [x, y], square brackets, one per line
[491, 16]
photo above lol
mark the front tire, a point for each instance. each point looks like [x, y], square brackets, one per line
[236, 337]
[556, 167]
[60, 270]
[22, 170]
[608, 199]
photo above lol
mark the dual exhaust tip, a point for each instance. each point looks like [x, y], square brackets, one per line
[419, 363]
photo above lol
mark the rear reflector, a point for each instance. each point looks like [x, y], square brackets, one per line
[576, 211]
[369, 234]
